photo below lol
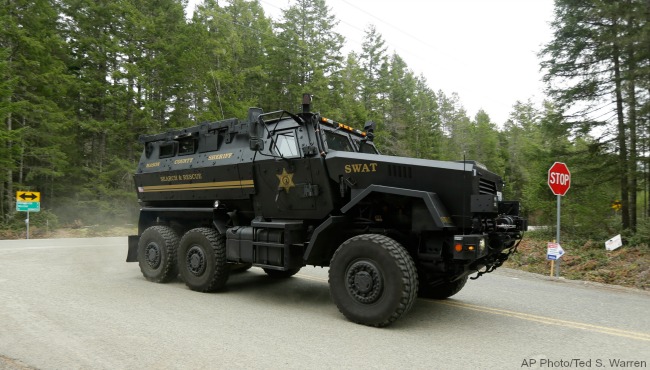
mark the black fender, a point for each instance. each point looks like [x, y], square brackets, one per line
[430, 213]
[434, 206]
[322, 240]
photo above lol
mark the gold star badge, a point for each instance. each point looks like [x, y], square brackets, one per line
[286, 180]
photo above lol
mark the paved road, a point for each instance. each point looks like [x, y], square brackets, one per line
[75, 303]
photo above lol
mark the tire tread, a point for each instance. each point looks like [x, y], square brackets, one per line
[170, 268]
[405, 264]
[221, 268]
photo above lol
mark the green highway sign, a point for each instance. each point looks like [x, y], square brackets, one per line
[28, 206]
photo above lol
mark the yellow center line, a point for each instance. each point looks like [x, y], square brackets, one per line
[549, 320]
[529, 317]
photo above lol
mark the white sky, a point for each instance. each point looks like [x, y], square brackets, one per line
[484, 50]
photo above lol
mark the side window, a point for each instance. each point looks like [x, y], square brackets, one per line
[187, 146]
[168, 149]
[286, 145]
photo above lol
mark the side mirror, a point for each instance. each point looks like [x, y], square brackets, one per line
[255, 124]
[256, 145]
[369, 128]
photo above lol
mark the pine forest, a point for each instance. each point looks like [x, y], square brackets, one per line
[81, 80]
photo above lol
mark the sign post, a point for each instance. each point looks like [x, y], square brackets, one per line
[27, 201]
[559, 180]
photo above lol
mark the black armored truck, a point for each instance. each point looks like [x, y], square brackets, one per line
[281, 191]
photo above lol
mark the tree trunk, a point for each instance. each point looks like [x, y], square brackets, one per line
[622, 157]
[21, 160]
[633, 151]
[10, 175]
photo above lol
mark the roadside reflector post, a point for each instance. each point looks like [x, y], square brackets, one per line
[27, 223]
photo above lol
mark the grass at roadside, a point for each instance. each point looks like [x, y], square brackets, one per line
[589, 261]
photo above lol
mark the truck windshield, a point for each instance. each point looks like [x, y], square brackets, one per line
[338, 142]
[365, 147]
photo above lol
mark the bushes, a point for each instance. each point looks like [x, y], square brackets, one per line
[626, 266]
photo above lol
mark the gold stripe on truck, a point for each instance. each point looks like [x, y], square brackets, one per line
[201, 186]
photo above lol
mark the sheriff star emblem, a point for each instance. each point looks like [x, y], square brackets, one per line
[286, 180]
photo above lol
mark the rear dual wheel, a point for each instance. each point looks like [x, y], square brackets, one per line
[373, 280]
[202, 260]
[157, 253]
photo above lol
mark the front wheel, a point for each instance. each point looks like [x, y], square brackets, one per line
[373, 280]
[202, 260]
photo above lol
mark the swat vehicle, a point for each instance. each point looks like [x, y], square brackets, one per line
[281, 191]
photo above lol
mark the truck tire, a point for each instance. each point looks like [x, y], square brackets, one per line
[202, 260]
[441, 291]
[279, 274]
[373, 280]
[157, 254]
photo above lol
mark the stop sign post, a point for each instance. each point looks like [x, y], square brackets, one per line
[559, 180]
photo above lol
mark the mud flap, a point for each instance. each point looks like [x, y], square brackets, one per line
[132, 255]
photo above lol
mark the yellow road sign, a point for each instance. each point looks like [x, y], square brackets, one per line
[28, 196]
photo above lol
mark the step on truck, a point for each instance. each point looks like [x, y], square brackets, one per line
[281, 191]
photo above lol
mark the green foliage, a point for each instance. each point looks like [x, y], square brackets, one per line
[641, 237]
[594, 67]
[81, 80]
[588, 260]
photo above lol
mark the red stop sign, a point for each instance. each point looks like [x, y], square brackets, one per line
[559, 178]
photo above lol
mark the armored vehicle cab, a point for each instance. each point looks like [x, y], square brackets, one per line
[281, 191]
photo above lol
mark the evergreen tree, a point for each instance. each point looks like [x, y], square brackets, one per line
[33, 77]
[351, 108]
[230, 45]
[485, 137]
[374, 62]
[455, 126]
[122, 55]
[425, 133]
[593, 61]
[306, 56]
[394, 134]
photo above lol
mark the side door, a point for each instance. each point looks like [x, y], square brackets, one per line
[284, 179]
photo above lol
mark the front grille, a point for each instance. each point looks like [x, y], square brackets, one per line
[487, 187]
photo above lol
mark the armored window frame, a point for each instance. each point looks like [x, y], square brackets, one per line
[167, 149]
[341, 142]
[366, 147]
[187, 146]
[286, 144]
